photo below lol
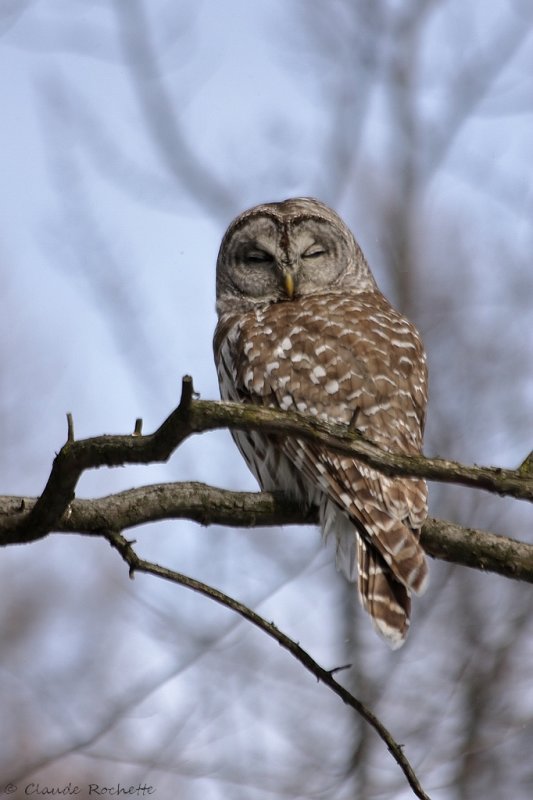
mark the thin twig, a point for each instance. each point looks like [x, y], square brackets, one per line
[70, 427]
[136, 564]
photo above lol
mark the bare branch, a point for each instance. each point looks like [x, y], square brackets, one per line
[479, 549]
[209, 505]
[208, 415]
[110, 451]
[70, 427]
[325, 676]
[198, 416]
[27, 519]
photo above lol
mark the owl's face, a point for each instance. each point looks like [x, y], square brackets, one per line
[282, 251]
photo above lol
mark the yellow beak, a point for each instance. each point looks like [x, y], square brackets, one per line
[288, 282]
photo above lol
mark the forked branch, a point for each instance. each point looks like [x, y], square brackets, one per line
[27, 519]
[23, 521]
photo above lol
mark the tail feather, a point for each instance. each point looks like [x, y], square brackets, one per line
[385, 596]
[386, 600]
[371, 517]
[398, 546]
[380, 507]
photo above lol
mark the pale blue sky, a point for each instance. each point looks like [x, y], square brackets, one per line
[110, 226]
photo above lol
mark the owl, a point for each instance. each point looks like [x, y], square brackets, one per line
[302, 326]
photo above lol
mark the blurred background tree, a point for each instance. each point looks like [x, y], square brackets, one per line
[132, 132]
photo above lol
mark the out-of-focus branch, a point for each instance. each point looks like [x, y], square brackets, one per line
[471, 85]
[181, 160]
[197, 416]
[323, 675]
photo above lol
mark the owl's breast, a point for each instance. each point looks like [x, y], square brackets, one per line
[343, 358]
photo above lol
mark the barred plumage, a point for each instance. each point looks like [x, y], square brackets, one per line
[302, 326]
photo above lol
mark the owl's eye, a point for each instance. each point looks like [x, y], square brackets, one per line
[315, 251]
[258, 257]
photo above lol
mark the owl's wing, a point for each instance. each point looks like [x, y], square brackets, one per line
[343, 361]
[362, 494]
[376, 547]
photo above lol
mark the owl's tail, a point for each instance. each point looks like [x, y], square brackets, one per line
[386, 599]
[387, 566]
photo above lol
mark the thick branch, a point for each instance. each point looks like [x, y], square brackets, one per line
[27, 519]
[137, 564]
[209, 505]
[196, 416]
[208, 415]
[100, 451]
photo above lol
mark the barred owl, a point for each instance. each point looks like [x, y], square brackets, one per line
[303, 326]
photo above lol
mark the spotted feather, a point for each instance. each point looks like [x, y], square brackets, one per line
[341, 353]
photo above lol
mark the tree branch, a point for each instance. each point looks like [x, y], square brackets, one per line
[28, 519]
[325, 676]
[209, 505]
[24, 520]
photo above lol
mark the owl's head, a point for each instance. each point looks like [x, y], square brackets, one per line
[281, 251]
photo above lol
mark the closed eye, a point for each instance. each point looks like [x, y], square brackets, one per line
[258, 257]
[314, 252]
